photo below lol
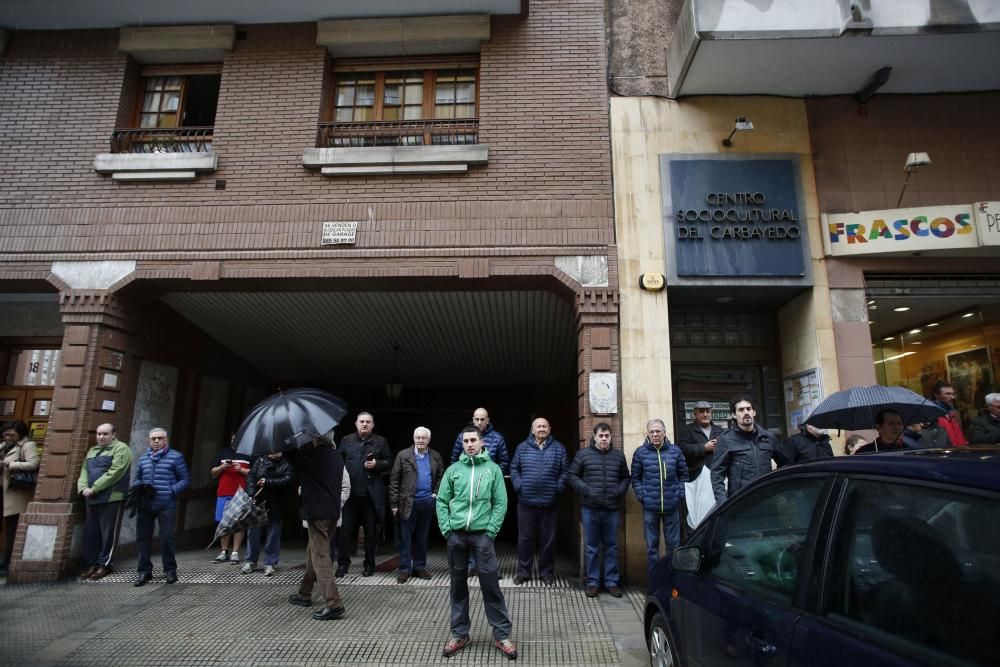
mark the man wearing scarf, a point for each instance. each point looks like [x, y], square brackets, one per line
[164, 470]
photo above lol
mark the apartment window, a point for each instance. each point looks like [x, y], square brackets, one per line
[175, 110]
[403, 106]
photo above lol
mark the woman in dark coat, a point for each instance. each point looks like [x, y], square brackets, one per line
[271, 475]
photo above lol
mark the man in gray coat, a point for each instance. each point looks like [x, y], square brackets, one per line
[413, 485]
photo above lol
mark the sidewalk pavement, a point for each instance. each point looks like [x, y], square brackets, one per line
[217, 616]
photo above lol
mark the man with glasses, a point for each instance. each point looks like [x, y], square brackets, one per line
[658, 476]
[163, 469]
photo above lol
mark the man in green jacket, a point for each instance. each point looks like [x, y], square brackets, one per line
[103, 484]
[471, 505]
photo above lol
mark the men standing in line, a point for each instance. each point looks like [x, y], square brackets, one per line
[103, 483]
[538, 474]
[743, 453]
[321, 470]
[658, 476]
[809, 444]
[162, 468]
[697, 440]
[600, 477]
[985, 429]
[366, 459]
[471, 505]
[889, 425]
[944, 397]
[413, 486]
[494, 445]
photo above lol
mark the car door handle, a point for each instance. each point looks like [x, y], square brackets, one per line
[756, 639]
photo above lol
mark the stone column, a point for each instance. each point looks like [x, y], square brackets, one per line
[89, 392]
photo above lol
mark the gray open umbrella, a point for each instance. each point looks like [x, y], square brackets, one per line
[855, 409]
[287, 420]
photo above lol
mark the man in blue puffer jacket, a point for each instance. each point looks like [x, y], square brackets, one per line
[164, 469]
[658, 476]
[538, 473]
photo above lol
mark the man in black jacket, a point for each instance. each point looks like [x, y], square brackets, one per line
[809, 444]
[697, 440]
[321, 471]
[367, 459]
[599, 474]
[744, 453]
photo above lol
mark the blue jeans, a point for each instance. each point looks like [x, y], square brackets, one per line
[413, 536]
[651, 522]
[166, 518]
[600, 537]
[271, 534]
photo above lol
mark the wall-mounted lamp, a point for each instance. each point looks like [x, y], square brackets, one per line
[742, 124]
[914, 161]
[879, 79]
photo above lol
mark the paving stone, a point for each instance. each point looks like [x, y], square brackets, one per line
[216, 615]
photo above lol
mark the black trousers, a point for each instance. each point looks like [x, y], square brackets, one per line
[536, 534]
[100, 533]
[357, 509]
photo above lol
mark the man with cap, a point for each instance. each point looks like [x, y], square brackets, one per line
[697, 441]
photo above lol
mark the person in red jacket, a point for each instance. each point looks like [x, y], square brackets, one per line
[944, 397]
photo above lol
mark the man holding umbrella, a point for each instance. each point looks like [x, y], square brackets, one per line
[321, 470]
[889, 425]
[366, 459]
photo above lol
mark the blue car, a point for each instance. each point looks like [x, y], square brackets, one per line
[883, 559]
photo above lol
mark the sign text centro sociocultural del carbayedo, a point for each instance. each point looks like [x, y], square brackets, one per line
[736, 215]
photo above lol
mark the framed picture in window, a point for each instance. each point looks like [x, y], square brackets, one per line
[971, 374]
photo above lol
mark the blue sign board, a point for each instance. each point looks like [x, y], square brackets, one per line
[734, 217]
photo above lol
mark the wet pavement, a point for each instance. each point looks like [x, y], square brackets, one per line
[215, 615]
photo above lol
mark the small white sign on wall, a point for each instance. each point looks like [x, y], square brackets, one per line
[603, 393]
[339, 233]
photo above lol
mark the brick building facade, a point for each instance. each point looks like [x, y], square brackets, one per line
[127, 258]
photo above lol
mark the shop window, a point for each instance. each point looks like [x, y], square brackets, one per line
[175, 111]
[403, 105]
[920, 340]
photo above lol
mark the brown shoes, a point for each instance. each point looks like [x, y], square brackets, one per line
[454, 645]
[89, 572]
[403, 577]
[591, 591]
[614, 591]
[100, 573]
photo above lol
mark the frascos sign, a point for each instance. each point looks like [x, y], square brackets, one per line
[900, 230]
[734, 217]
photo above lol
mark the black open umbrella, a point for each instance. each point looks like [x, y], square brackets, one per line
[855, 409]
[287, 420]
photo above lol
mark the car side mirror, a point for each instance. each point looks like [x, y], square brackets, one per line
[686, 559]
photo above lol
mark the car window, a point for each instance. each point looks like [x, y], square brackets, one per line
[919, 567]
[759, 542]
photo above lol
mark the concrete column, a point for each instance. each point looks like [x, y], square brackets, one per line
[91, 382]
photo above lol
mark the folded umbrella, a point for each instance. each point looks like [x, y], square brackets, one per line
[241, 514]
[287, 420]
[855, 409]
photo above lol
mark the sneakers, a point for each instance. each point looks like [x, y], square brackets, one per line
[614, 591]
[268, 570]
[454, 646]
[591, 591]
[222, 557]
[248, 567]
[234, 557]
[506, 647]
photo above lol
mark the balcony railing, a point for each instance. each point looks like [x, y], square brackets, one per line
[162, 140]
[398, 133]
